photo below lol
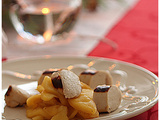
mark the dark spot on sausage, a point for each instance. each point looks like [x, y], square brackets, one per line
[103, 88]
[57, 82]
[89, 72]
[8, 91]
[49, 72]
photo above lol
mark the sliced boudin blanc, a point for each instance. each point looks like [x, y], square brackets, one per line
[107, 98]
[15, 96]
[93, 78]
[79, 68]
[68, 82]
[46, 73]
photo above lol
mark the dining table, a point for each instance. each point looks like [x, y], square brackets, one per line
[137, 37]
[127, 31]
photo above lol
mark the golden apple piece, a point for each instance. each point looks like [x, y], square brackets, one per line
[62, 99]
[38, 118]
[85, 86]
[34, 100]
[87, 115]
[37, 112]
[48, 86]
[83, 103]
[51, 102]
[40, 88]
[88, 92]
[45, 96]
[52, 110]
[72, 112]
[62, 114]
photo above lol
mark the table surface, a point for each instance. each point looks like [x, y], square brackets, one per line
[134, 28]
[137, 37]
[90, 27]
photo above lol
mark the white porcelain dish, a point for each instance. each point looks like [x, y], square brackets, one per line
[144, 81]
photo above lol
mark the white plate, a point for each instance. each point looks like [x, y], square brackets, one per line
[144, 81]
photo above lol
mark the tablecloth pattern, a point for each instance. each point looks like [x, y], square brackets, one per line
[137, 38]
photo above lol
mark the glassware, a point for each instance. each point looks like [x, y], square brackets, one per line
[42, 21]
[4, 45]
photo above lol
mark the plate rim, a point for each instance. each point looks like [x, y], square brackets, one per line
[77, 57]
[82, 57]
[125, 116]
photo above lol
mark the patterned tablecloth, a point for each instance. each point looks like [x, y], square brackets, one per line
[137, 38]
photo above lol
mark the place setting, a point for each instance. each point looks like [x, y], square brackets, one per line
[60, 60]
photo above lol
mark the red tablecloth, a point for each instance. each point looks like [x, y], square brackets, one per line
[137, 38]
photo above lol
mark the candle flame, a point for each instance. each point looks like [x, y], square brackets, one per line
[112, 67]
[47, 35]
[91, 63]
[118, 83]
[45, 10]
[70, 67]
[153, 83]
[22, 75]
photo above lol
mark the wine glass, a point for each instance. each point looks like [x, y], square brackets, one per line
[42, 21]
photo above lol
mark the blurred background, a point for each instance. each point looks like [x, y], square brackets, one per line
[93, 20]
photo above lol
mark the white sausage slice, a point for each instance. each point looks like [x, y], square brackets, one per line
[68, 82]
[46, 73]
[15, 96]
[107, 98]
[94, 78]
[79, 68]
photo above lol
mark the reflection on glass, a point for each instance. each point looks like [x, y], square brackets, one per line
[41, 21]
